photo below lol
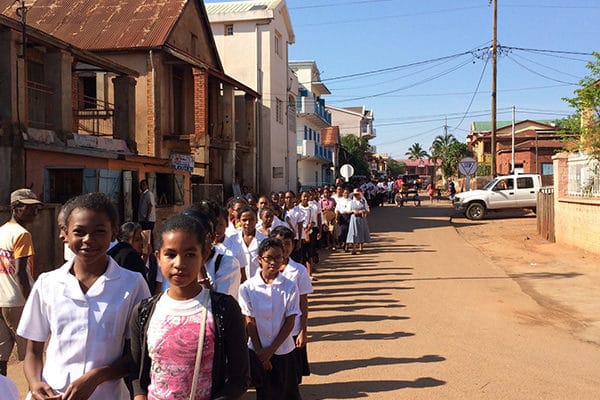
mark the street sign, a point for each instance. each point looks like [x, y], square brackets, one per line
[467, 166]
[347, 171]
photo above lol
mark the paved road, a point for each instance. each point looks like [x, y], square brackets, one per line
[422, 314]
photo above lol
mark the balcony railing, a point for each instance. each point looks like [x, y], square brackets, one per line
[368, 130]
[311, 149]
[309, 106]
[95, 118]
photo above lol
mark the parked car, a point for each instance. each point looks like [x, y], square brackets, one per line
[502, 193]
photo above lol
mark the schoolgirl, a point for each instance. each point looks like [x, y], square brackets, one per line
[248, 238]
[270, 303]
[265, 215]
[187, 342]
[84, 309]
[297, 273]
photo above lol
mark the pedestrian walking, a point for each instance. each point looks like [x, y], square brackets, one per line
[187, 342]
[82, 309]
[16, 269]
[147, 210]
[358, 229]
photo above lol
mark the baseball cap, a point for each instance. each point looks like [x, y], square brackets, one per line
[24, 196]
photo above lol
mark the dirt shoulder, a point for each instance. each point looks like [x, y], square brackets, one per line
[564, 280]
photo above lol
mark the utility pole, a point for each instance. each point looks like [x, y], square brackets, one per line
[494, 77]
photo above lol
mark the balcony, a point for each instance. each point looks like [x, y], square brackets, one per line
[95, 117]
[309, 149]
[314, 111]
[368, 132]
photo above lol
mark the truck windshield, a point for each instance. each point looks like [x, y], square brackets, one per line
[490, 184]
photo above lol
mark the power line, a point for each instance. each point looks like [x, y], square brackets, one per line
[538, 73]
[343, 3]
[475, 93]
[547, 67]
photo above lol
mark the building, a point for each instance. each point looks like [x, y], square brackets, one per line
[535, 144]
[315, 159]
[357, 121]
[195, 123]
[253, 38]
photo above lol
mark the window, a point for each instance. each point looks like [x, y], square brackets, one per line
[194, 44]
[547, 169]
[229, 30]
[279, 110]
[62, 184]
[169, 189]
[524, 183]
[90, 92]
[305, 132]
[277, 44]
[277, 172]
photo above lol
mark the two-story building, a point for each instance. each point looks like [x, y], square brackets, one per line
[535, 142]
[194, 122]
[315, 158]
[253, 38]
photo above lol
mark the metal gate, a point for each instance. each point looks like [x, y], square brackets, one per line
[545, 213]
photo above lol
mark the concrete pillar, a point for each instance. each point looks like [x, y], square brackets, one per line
[124, 119]
[58, 73]
[561, 175]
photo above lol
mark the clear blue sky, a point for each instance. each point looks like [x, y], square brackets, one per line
[410, 104]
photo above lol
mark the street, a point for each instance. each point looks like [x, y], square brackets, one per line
[425, 314]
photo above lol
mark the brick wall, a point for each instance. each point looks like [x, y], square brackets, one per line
[200, 101]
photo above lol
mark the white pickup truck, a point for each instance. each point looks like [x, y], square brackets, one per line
[503, 192]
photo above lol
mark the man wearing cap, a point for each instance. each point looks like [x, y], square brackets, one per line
[147, 210]
[16, 263]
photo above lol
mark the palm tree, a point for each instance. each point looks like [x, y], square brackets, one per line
[416, 152]
[441, 144]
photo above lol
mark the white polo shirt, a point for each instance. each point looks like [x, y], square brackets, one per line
[227, 278]
[86, 331]
[270, 305]
[297, 273]
[296, 216]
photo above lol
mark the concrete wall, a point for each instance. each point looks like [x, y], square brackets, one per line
[576, 219]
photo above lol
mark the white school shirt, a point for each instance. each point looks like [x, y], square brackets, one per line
[86, 331]
[298, 274]
[308, 216]
[233, 245]
[270, 305]
[227, 278]
[277, 222]
[231, 230]
[318, 211]
[251, 252]
[296, 217]
[342, 205]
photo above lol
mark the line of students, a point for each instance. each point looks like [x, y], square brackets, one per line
[192, 340]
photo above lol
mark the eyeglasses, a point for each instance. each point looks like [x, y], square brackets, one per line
[272, 260]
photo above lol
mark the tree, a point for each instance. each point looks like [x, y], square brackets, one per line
[395, 168]
[416, 152]
[440, 150]
[455, 152]
[586, 103]
[357, 149]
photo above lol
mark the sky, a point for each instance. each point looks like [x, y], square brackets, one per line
[423, 65]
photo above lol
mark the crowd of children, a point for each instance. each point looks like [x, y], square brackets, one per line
[221, 305]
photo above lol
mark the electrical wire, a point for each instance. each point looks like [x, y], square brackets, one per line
[538, 73]
[547, 66]
[344, 3]
[475, 93]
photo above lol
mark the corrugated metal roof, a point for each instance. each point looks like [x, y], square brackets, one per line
[121, 24]
[234, 7]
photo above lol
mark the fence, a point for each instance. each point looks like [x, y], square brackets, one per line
[584, 176]
[545, 213]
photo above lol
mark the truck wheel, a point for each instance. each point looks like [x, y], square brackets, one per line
[475, 211]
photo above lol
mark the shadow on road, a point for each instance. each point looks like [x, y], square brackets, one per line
[357, 334]
[331, 367]
[362, 389]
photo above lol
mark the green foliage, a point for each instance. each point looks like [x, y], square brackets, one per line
[454, 153]
[416, 152]
[395, 168]
[358, 150]
[586, 103]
